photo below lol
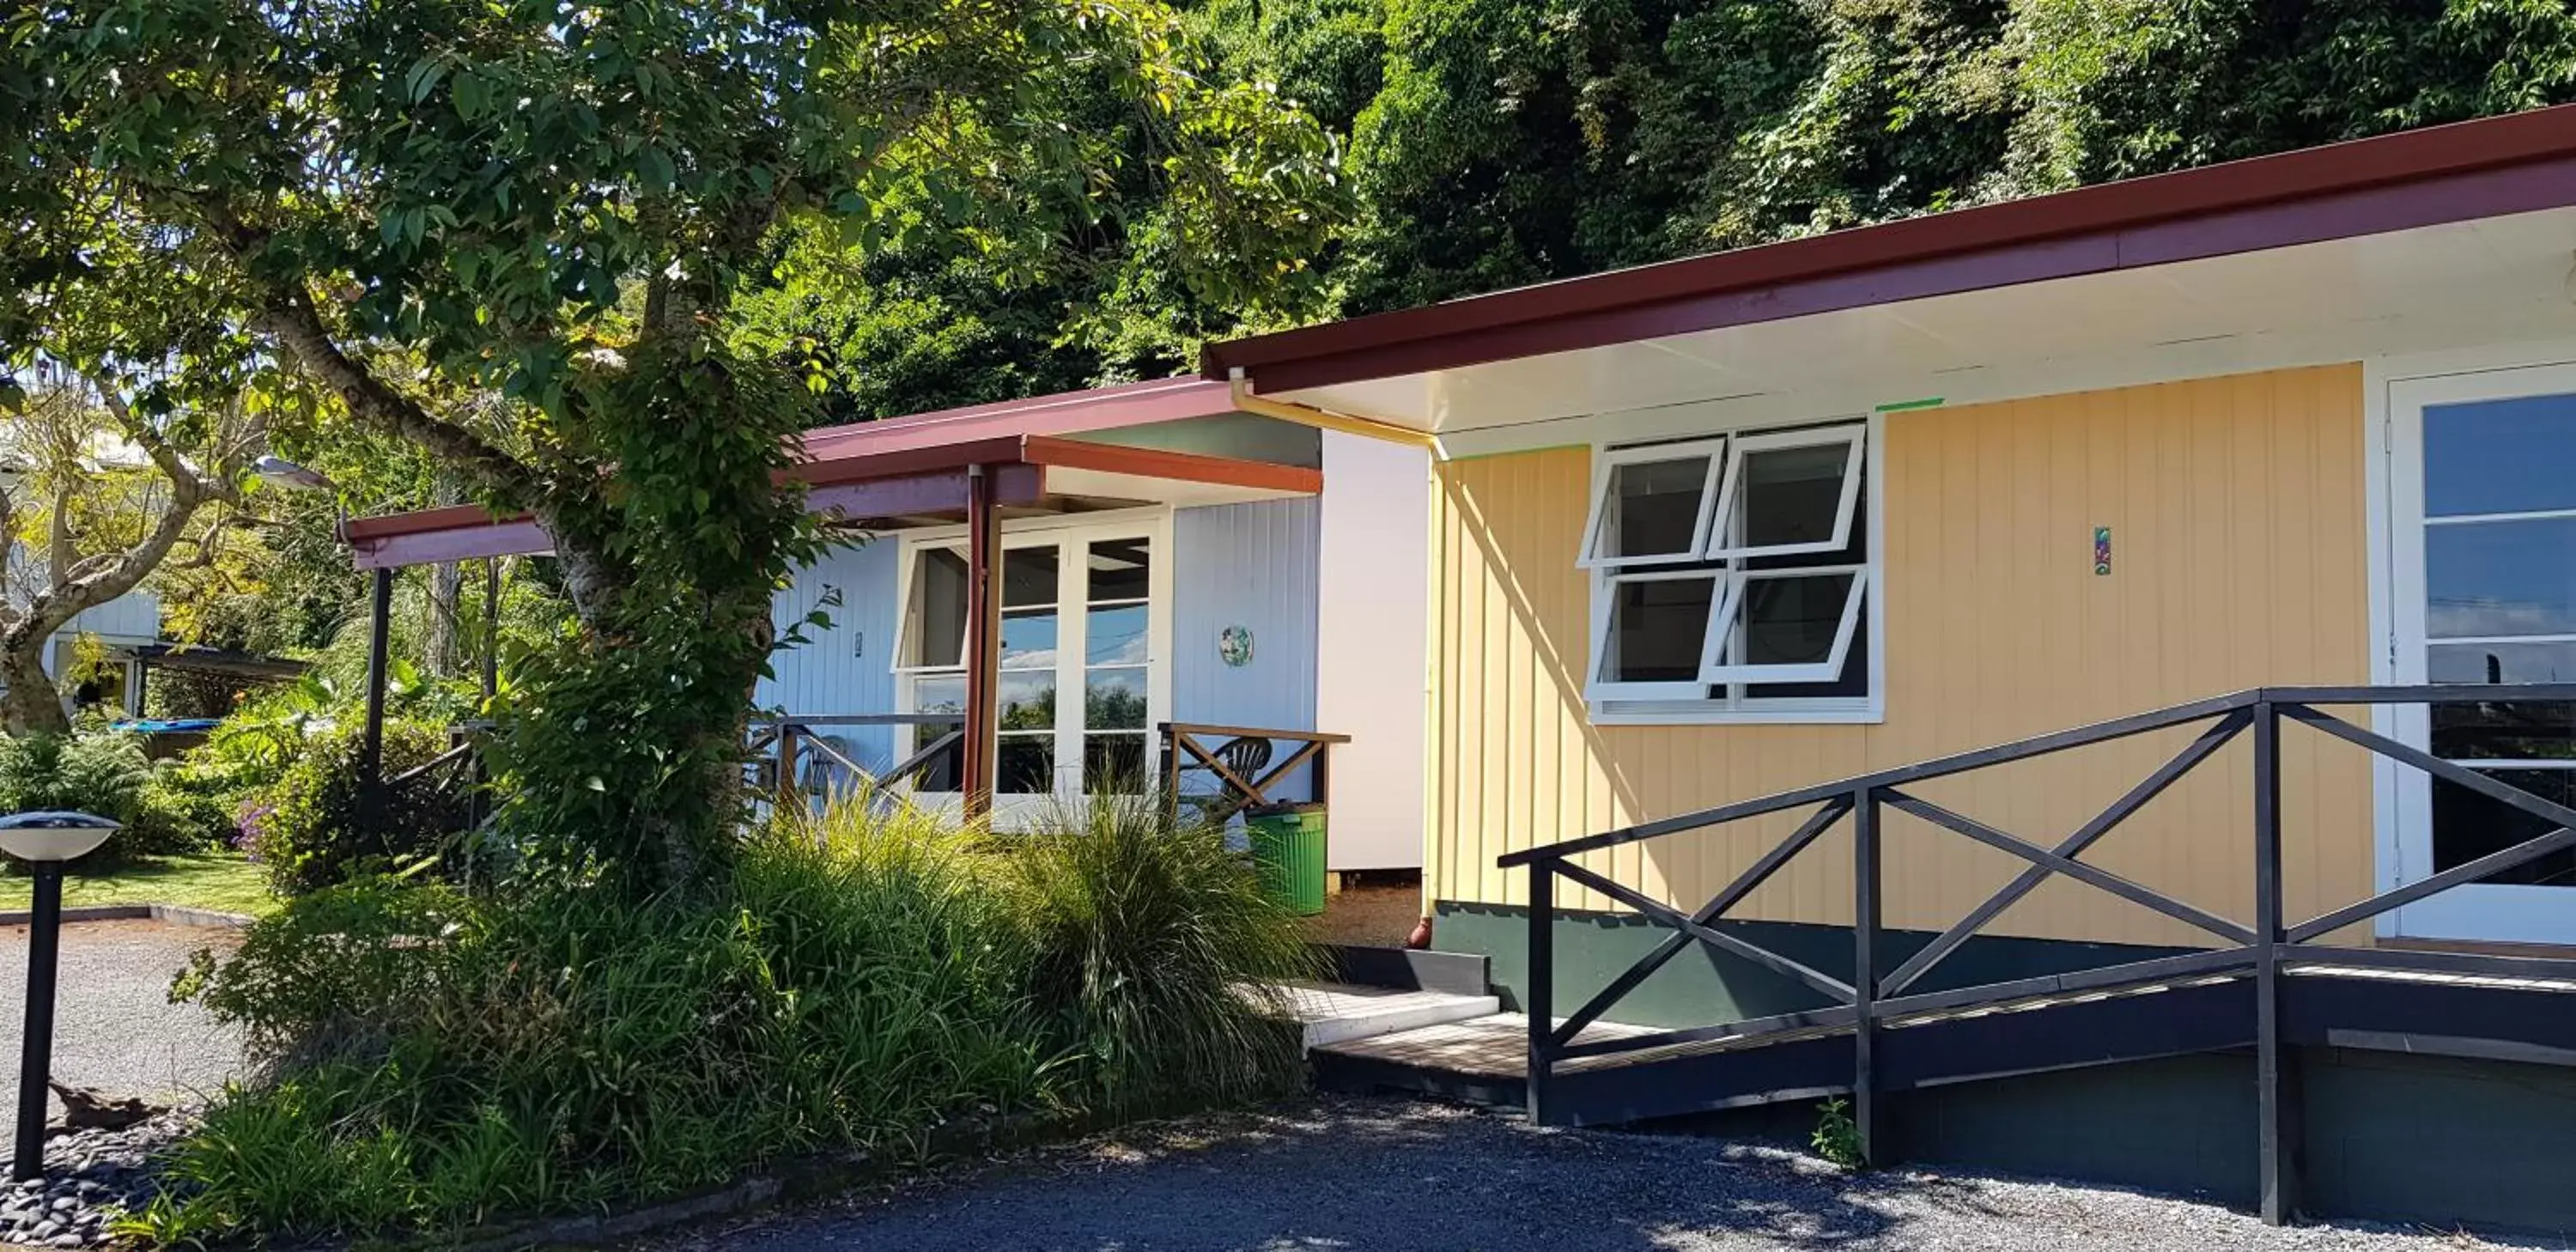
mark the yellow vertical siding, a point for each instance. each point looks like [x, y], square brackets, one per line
[2236, 506]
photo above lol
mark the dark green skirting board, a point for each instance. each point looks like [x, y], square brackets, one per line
[2436, 1140]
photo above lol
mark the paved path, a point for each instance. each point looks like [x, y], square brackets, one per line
[1368, 1174]
[114, 1026]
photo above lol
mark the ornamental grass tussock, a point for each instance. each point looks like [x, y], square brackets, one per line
[434, 1060]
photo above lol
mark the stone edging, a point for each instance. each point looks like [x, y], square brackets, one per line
[176, 915]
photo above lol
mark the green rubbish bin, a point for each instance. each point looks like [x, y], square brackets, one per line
[1288, 854]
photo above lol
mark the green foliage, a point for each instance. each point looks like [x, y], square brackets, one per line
[181, 810]
[101, 772]
[315, 828]
[514, 235]
[1144, 932]
[91, 773]
[1837, 1136]
[440, 1059]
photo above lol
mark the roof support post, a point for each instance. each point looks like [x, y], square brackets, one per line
[983, 641]
[371, 753]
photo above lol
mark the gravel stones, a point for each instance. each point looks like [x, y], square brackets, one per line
[1351, 1173]
[90, 1175]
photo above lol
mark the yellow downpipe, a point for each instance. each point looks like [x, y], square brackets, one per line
[1320, 419]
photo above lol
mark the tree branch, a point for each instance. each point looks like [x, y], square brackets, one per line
[292, 321]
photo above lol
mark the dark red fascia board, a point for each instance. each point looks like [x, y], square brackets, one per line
[999, 451]
[2442, 174]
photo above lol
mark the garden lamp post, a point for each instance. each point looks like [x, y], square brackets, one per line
[44, 841]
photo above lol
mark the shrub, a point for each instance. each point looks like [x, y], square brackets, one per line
[103, 773]
[1150, 937]
[436, 1059]
[317, 831]
[175, 812]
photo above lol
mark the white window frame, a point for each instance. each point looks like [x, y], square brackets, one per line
[1671, 703]
[1726, 628]
[2397, 391]
[1854, 436]
[1605, 467]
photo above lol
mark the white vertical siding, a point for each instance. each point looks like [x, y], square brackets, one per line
[847, 666]
[1249, 565]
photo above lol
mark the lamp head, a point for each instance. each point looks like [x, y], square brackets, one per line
[53, 836]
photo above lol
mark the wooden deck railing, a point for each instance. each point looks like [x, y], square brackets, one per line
[1241, 763]
[1875, 994]
[780, 748]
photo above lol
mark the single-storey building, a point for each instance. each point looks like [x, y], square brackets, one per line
[1807, 514]
[1203, 567]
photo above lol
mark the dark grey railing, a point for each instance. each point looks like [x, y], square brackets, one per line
[1873, 997]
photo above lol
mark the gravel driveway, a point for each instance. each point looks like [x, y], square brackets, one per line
[1346, 1173]
[114, 1026]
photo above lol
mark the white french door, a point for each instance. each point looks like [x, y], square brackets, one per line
[2482, 576]
[1086, 623]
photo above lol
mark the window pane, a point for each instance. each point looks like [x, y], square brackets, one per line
[2500, 456]
[943, 771]
[1114, 699]
[1120, 569]
[1113, 764]
[1028, 577]
[1651, 508]
[1793, 620]
[2501, 578]
[1790, 496]
[2524, 730]
[939, 695]
[1852, 681]
[1657, 627]
[1028, 700]
[1026, 765]
[1117, 636]
[2467, 825]
[2501, 663]
[939, 609]
[1028, 639]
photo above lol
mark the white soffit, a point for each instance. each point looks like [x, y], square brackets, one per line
[2496, 280]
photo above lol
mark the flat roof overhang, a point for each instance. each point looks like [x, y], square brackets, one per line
[914, 471]
[2446, 224]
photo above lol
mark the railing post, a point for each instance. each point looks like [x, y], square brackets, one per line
[1540, 1003]
[1171, 772]
[1865, 925]
[789, 796]
[2277, 1114]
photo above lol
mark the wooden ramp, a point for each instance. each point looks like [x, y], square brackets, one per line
[1486, 1059]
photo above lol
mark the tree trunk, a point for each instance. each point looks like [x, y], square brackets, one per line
[444, 644]
[32, 705]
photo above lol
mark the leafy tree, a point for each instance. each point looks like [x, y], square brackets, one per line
[95, 497]
[558, 202]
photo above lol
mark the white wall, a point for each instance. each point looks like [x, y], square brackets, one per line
[1373, 625]
[842, 668]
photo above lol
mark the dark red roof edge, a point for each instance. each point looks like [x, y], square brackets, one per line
[2482, 168]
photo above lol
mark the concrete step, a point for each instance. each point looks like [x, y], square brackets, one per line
[1339, 1012]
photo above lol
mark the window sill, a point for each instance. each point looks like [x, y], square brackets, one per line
[1820, 714]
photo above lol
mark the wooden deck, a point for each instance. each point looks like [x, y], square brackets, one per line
[1487, 1056]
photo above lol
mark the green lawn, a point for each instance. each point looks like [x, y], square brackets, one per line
[221, 881]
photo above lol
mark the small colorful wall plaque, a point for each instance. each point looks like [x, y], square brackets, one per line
[1234, 646]
[2102, 550]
